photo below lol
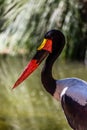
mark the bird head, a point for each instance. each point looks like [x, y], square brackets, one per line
[53, 41]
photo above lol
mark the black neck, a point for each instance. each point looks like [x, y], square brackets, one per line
[46, 76]
[58, 41]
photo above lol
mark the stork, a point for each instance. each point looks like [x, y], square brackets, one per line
[71, 92]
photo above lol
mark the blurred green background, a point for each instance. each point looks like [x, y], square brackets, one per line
[23, 24]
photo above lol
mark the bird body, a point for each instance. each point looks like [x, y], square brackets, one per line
[74, 103]
[76, 88]
[71, 92]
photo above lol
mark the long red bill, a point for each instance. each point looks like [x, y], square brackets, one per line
[33, 64]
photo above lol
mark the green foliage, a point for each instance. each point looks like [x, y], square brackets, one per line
[76, 33]
[23, 24]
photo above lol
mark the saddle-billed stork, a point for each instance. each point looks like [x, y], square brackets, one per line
[71, 92]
